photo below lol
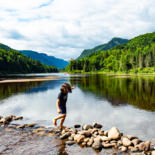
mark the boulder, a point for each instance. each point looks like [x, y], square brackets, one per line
[79, 138]
[77, 126]
[101, 132]
[126, 141]
[114, 133]
[90, 142]
[123, 148]
[86, 127]
[108, 145]
[97, 125]
[97, 145]
[106, 133]
[65, 135]
[85, 133]
[143, 146]
[135, 141]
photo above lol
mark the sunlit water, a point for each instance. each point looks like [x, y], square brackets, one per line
[125, 102]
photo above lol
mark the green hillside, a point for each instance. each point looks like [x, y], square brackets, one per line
[12, 61]
[138, 55]
[112, 43]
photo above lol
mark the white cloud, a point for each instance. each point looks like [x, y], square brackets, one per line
[64, 28]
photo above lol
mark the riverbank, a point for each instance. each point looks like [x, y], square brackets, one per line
[80, 140]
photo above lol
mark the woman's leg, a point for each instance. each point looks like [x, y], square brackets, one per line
[62, 121]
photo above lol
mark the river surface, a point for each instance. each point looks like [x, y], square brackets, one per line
[127, 102]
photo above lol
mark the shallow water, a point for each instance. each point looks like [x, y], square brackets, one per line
[125, 102]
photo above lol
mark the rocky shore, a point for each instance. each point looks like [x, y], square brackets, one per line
[85, 136]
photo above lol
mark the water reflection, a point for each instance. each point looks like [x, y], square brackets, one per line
[138, 91]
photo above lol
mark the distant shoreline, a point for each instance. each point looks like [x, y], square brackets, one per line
[48, 78]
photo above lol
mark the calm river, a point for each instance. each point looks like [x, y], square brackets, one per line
[122, 101]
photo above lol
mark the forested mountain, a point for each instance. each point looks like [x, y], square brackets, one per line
[45, 59]
[138, 55]
[12, 61]
[112, 43]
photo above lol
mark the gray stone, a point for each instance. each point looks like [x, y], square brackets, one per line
[114, 133]
[126, 141]
[77, 126]
[65, 135]
[86, 127]
[97, 125]
[79, 138]
[70, 142]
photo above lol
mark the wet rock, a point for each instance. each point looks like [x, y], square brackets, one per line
[126, 141]
[83, 144]
[143, 146]
[85, 133]
[86, 140]
[86, 127]
[101, 132]
[30, 125]
[123, 148]
[73, 131]
[119, 143]
[133, 149]
[77, 126]
[97, 145]
[135, 141]
[38, 130]
[79, 138]
[97, 125]
[93, 130]
[104, 138]
[70, 142]
[106, 133]
[108, 145]
[66, 135]
[131, 137]
[18, 118]
[114, 133]
[20, 126]
[6, 120]
[90, 142]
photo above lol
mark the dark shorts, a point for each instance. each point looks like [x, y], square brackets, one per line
[63, 110]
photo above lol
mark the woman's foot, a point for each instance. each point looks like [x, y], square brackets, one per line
[54, 122]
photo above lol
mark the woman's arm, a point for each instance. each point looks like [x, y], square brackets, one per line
[73, 87]
[58, 103]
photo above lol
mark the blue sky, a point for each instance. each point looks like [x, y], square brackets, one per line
[63, 28]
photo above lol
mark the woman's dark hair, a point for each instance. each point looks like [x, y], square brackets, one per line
[65, 87]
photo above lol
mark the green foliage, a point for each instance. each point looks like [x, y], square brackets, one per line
[138, 55]
[12, 61]
[112, 43]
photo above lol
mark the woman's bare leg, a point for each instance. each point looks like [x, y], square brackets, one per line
[59, 117]
[62, 121]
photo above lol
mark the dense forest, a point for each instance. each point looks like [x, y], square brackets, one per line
[112, 43]
[12, 61]
[138, 55]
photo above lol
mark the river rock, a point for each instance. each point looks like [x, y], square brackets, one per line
[73, 131]
[93, 130]
[106, 133]
[20, 126]
[6, 120]
[97, 125]
[126, 141]
[83, 144]
[86, 127]
[104, 138]
[108, 145]
[101, 132]
[66, 135]
[77, 126]
[70, 142]
[143, 146]
[86, 140]
[135, 141]
[114, 133]
[79, 138]
[133, 149]
[90, 142]
[119, 143]
[123, 148]
[131, 137]
[30, 125]
[85, 133]
[18, 118]
[97, 145]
